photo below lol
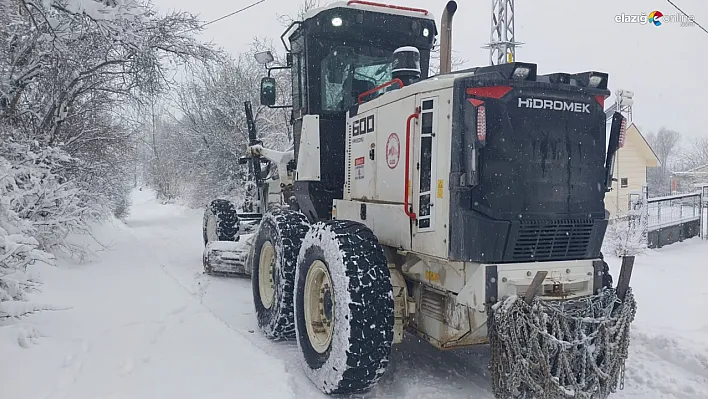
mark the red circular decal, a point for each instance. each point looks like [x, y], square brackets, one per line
[393, 151]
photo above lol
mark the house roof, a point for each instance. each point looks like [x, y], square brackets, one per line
[702, 169]
[646, 148]
[697, 171]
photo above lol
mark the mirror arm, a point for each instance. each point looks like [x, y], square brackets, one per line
[277, 68]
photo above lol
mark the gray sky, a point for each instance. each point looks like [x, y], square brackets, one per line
[665, 66]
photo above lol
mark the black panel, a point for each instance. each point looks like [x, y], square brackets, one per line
[538, 194]
[491, 286]
[673, 234]
[598, 272]
[297, 134]
[315, 201]
[332, 147]
[426, 165]
[427, 123]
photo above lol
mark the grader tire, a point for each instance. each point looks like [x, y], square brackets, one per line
[221, 222]
[343, 307]
[272, 265]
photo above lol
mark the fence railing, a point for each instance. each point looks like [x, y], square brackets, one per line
[673, 210]
[673, 218]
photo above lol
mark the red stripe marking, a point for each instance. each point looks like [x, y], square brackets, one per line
[496, 92]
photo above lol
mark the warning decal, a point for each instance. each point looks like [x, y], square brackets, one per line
[359, 168]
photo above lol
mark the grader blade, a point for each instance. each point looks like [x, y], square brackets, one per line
[227, 257]
[549, 349]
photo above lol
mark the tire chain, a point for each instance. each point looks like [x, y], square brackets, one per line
[560, 349]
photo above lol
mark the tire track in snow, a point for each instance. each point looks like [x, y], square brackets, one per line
[197, 291]
[416, 369]
[72, 367]
[666, 366]
[202, 282]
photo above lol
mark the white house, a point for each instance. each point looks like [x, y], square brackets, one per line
[689, 180]
[630, 172]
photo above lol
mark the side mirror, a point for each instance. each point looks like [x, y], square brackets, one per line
[268, 91]
[264, 58]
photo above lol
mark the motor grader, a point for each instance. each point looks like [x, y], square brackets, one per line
[464, 208]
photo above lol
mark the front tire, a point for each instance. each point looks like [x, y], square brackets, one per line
[221, 222]
[272, 263]
[343, 307]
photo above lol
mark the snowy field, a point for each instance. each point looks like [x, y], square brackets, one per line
[141, 321]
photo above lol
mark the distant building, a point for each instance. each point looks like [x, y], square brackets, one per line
[689, 180]
[630, 172]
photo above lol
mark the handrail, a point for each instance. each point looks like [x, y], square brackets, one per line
[377, 88]
[406, 199]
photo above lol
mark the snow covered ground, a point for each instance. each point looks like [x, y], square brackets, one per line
[142, 321]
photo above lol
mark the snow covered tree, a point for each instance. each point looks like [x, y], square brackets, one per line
[68, 66]
[208, 134]
[627, 235]
[665, 144]
[68, 70]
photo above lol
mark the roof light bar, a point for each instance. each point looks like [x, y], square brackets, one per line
[402, 8]
[597, 80]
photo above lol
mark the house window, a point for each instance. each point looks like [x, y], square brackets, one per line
[624, 182]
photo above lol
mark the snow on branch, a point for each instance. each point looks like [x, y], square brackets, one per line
[68, 71]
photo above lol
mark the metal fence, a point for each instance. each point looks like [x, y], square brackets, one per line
[674, 218]
[672, 210]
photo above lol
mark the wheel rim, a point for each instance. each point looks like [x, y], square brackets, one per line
[266, 265]
[211, 228]
[319, 306]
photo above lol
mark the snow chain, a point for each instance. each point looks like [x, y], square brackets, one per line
[560, 349]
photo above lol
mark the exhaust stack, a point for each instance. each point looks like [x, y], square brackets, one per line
[446, 37]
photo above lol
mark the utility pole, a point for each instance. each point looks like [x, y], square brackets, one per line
[502, 44]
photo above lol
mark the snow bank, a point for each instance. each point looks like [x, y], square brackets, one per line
[669, 346]
[130, 330]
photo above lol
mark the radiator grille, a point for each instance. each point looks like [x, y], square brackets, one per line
[432, 304]
[552, 240]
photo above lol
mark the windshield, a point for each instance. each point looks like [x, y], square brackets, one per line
[347, 73]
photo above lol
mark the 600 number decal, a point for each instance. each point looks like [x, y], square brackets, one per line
[363, 126]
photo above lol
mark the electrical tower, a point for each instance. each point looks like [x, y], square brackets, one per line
[502, 44]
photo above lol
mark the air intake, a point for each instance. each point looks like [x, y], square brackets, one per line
[548, 240]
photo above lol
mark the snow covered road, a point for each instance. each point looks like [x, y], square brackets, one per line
[144, 322]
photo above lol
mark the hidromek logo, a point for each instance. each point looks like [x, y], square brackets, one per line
[554, 105]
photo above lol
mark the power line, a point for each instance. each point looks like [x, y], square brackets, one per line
[687, 16]
[233, 13]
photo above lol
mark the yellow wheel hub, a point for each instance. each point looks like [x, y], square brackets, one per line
[319, 306]
[266, 266]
